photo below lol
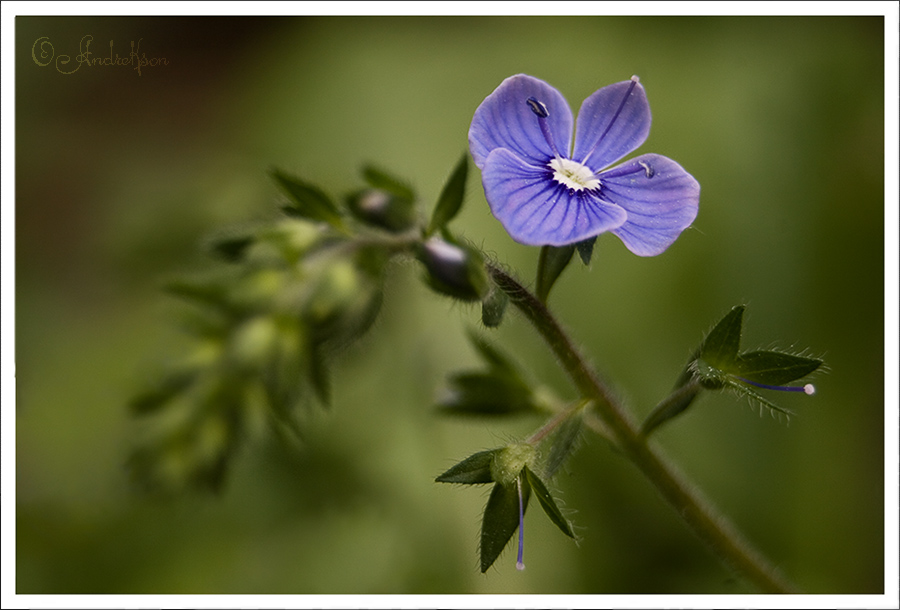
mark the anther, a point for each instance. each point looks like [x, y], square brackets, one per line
[540, 109]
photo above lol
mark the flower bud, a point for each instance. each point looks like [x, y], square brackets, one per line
[454, 270]
[382, 209]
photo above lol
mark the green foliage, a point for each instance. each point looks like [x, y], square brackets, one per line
[307, 201]
[552, 262]
[451, 198]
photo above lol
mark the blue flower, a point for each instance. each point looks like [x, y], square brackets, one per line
[545, 195]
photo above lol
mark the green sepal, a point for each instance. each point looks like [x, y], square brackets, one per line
[551, 263]
[451, 198]
[586, 249]
[547, 503]
[381, 180]
[672, 406]
[493, 307]
[564, 442]
[474, 470]
[486, 393]
[774, 368]
[501, 519]
[307, 201]
[721, 345]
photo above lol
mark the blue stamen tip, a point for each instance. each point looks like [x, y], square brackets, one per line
[520, 564]
[538, 107]
[808, 389]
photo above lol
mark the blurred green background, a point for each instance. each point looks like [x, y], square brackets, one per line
[119, 176]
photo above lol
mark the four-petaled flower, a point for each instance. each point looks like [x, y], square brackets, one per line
[544, 195]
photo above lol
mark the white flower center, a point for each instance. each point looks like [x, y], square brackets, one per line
[573, 174]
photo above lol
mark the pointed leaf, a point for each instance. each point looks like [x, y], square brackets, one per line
[552, 262]
[564, 443]
[721, 344]
[586, 249]
[774, 368]
[501, 519]
[160, 393]
[451, 199]
[473, 470]
[383, 181]
[307, 201]
[548, 504]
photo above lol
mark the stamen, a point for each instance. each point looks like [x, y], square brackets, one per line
[634, 81]
[809, 389]
[520, 564]
[647, 169]
[540, 109]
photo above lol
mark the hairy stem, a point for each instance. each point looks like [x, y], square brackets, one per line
[712, 527]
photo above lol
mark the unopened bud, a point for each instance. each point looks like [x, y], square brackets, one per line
[454, 270]
[382, 209]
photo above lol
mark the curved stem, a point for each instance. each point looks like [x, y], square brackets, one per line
[716, 531]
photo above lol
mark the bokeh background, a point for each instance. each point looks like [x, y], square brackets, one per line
[119, 177]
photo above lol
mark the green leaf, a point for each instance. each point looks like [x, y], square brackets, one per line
[721, 345]
[486, 393]
[551, 263]
[564, 442]
[586, 249]
[308, 201]
[451, 199]
[383, 181]
[673, 405]
[473, 470]
[548, 504]
[501, 519]
[774, 368]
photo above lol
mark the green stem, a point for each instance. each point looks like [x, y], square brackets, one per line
[716, 531]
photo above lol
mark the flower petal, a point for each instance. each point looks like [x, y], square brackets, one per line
[612, 122]
[660, 197]
[505, 120]
[536, 210]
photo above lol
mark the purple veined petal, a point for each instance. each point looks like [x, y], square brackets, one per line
[536, 210]
[612, 122]
[660, 197]
[505, 120]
